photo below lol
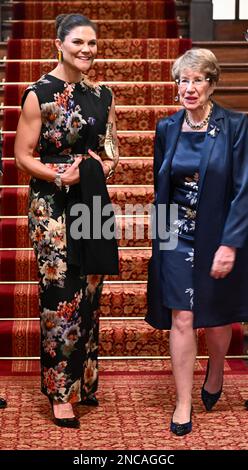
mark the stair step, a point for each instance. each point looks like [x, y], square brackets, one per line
[126, 93]
[226, 51]
[117, 300]
[234, 74]
[140, 118]
[128, 171]
[131, 232]
[20, 265]
[235, 98]
[121, 70]
[21, 338]
[95, 10]
[15, 200]
[106, 28]
[130, 143]
[226, 30]
[144, 48]
[104, 70]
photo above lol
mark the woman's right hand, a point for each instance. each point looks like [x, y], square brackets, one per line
[71, 175]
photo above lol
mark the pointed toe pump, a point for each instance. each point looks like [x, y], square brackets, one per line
[64, 422]
[180, 429]
[209, 399]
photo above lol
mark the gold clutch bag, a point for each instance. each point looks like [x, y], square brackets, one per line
[109, 145]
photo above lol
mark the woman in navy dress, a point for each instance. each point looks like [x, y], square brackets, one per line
[201, 165]
[66, 119]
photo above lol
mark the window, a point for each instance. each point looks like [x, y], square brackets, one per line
[226, 11]
[243, 9]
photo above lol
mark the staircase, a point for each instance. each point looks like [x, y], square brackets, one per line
[135, 59]
[232, 91]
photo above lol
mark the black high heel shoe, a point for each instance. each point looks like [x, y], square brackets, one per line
[209, 399]
[3, 403]
[91, 400]
[180, 429]
[64, 422]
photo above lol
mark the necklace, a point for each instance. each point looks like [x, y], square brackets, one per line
[196, 127]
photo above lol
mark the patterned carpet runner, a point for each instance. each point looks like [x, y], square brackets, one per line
[134, 413]
[96, 10]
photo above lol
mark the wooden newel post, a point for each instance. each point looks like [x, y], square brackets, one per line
[201, 20]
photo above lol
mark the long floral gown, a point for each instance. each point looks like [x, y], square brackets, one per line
[74, 117]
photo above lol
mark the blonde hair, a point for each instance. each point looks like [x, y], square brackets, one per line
[199, 59]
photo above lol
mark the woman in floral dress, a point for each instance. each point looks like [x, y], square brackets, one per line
[64, 119]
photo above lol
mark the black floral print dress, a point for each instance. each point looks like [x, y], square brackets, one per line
[74, 117]
[177, 272]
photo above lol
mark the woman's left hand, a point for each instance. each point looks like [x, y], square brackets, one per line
[223, 262]
[104, 167]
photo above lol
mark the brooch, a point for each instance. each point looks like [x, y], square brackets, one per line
[91, 121]
[213, 131]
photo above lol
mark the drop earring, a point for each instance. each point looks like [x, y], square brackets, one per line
[176, 97]
[60, 56]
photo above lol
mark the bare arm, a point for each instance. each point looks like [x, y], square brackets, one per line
[27, 136]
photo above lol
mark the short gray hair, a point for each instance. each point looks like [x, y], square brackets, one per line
[199, 59]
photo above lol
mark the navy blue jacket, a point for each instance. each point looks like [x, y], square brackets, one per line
[222, 218]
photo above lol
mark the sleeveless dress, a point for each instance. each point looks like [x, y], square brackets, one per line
[74, 117]
[177, 264]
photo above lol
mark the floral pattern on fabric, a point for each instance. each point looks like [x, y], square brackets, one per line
[68, 303]
[48, 237]
[74, 118]
[185, 225]
[73, 115]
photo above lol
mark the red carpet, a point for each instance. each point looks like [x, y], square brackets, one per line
[134, 413]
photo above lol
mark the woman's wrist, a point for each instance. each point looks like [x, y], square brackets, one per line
[108, 170]
[231, 248]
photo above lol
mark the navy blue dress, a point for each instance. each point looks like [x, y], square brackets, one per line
[177, 264]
